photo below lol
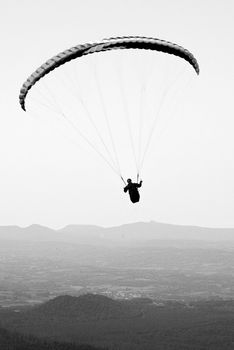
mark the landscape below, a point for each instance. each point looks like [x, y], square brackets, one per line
[125, 288]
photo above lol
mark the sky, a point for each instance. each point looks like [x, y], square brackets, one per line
[188, 174]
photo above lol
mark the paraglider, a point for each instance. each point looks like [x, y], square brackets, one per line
[132, 189]
[108, 149]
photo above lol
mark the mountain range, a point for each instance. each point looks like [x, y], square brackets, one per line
[134, 233]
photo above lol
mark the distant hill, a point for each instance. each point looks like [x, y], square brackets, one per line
[30, 233]
[86, 307]
[123, 235]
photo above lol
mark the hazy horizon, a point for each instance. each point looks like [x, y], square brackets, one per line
[56, 228]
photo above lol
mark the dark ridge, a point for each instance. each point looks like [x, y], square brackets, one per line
[15, 341]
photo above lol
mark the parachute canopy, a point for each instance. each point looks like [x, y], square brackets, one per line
[129, 42]
[114, 101]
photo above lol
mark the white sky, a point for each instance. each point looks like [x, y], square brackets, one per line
[188, 178]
